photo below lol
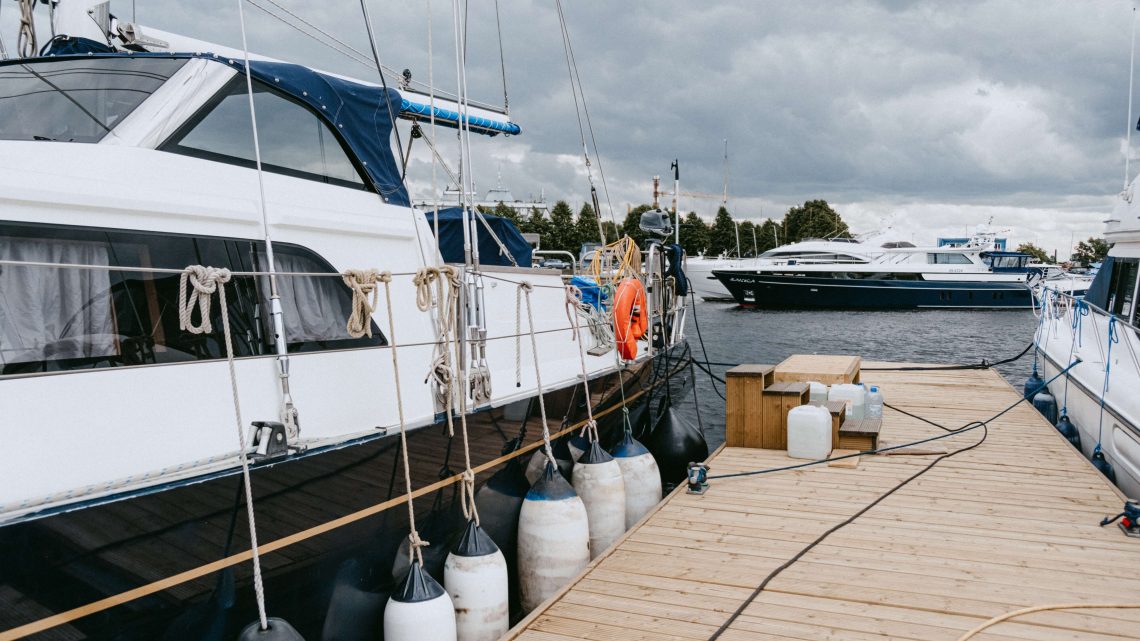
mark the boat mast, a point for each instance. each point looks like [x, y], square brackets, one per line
[1128, 124]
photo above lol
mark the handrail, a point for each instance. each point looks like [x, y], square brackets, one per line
[551, 252]
[1102, 312]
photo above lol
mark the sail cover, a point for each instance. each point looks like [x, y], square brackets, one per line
[450, 238]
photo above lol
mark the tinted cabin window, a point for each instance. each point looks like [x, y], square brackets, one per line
[293, 140]
[1123, 287]
[947, 259]
[76, 100]
[55, 319]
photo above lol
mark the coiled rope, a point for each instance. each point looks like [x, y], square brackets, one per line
[573, 304]
[524, 289]
[26, 43]
[414, 553]
[365, 296]
[196, 288]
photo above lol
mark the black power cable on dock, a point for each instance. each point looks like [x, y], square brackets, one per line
[835, 528]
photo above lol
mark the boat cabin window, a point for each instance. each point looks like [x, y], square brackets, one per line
[1007, 261]
[107, 315]
[1122, 288]
[76, 100]
[294, 141]
[935, 258]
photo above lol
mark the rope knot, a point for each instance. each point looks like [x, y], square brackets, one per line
[202, 282]
[365, 297]
[414, 553]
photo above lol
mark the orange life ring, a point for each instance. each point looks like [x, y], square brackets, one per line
[631, 319]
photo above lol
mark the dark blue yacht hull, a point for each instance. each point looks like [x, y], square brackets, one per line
[777, 291]
[171, 563]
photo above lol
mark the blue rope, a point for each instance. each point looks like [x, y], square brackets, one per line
[1080, 311]
[1113, 337]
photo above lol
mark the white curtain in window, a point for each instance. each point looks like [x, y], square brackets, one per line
[315, 308]
[51, 314]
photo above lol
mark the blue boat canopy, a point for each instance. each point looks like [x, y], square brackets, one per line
[450, 239]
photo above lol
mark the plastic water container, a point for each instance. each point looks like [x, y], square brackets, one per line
[809, 432]
[818, 392]
[874, 408]
[853, 395]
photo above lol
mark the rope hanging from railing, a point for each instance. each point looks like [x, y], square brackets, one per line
[573, 302]
[524, 290]
[1113, 337]
[446, 283]
[196, 287]
[414, 553]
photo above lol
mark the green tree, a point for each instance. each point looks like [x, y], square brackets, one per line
[631, 225]
[1093, 250]
[587, 226]
[815, 219]
[747, 238]
[722, 235]
[766, 235]
[504, 210]
[694, 234]
[1036, 252]
[612, 231]
[537, 223]
[563, 235]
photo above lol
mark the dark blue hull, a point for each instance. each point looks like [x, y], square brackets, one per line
[769, 291]
[164, 565]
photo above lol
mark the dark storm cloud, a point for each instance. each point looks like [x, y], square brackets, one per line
[884, 106]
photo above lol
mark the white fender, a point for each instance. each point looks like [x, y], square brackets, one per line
[641, 476]
[420, 610]
[475, 576]
[597, 479]
[554, 538]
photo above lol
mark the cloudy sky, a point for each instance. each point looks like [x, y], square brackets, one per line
[925, 116]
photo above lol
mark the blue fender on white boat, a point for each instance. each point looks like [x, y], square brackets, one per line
[597, 479]
[499, 502]
[420, 610]
[475, 575]
[641, 476]
[554, 538]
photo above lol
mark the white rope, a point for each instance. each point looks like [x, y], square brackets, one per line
[26, 44]
[525, 289]
[365, 296]
[446, 300]
[573, 300]
[205, 281]
[518, 334]
[414, 553]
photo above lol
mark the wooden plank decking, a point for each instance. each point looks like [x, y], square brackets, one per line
[1011, 524]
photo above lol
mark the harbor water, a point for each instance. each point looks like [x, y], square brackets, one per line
[735, 334]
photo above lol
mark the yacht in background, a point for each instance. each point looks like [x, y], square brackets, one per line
[849, 251]
[975, 274]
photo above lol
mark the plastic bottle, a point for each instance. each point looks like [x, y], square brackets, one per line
[874, 408]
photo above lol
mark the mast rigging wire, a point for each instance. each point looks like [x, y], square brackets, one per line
[576, 90]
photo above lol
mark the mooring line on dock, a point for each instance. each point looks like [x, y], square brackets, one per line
[835, 528]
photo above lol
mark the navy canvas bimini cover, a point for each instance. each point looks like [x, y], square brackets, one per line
[358, 112]
[450, 238]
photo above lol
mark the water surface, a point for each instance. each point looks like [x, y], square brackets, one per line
[734, 334]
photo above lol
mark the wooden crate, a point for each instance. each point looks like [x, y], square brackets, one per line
[838, 410]
[861, 435]
[779, 399]
[744, 407]
[825, 369]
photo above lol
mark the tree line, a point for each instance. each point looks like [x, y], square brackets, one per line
[562, 230]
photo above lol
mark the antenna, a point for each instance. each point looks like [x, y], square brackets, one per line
[1128, 125]
[725, 200]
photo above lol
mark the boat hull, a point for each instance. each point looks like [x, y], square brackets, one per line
[172, 562]
[771, 291]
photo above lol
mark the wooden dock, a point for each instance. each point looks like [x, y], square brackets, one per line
[1010, 524]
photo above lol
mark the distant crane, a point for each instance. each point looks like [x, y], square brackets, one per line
[677, 193]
